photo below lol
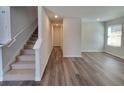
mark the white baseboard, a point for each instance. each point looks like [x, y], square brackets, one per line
[92, 50]
[114, 54]
[72, 55]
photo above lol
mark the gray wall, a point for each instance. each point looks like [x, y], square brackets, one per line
[117, 51]
[22, 19]
[92, 37]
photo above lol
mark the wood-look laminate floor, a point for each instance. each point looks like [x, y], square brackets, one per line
[93, 69]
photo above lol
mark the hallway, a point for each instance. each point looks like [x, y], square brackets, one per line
[91, 69]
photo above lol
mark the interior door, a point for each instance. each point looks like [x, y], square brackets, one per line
[56, 36]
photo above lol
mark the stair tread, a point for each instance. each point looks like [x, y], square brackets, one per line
[20, 74]
[22, 62]
[27, 51]
[27, 55]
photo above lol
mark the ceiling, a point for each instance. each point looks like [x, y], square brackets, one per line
[52, 14]
[87, 13]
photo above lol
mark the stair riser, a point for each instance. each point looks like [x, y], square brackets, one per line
[29, 46]
[33, 39]
[31, 42]
[24, 66]
[28, 52]
[35, 35]
[26, 59]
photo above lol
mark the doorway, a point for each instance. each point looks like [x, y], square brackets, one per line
[57, 35]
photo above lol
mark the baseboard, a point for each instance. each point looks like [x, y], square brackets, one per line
[92, 51]
[114, 54]
[72, 55]
[7, 67]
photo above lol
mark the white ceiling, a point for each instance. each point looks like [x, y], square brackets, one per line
[88, 13]
[52, 14]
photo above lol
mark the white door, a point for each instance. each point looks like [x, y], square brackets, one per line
[57, 36]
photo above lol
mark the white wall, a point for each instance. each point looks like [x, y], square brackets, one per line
[117, 51]
[23, 19]
[92, 37]
[1, 65]
[45, 36]
[72, 37]
[5, 31]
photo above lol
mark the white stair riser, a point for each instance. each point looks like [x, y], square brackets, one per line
[23, 66]
[26, 58]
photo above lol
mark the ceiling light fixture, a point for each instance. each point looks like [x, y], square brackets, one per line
[56, 16]
[98, 19]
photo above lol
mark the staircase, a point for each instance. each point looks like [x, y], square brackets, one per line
[24, 66]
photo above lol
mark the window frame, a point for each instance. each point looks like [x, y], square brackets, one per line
[121, 35]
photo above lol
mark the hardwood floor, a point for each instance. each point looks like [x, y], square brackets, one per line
[93, 69]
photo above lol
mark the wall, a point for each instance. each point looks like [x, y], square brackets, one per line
[45, 48]
[1, 65]
[92, 37]
[117, 51]
[72, 37]
[5, 31]
[23, 19]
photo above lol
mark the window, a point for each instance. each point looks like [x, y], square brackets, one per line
[114, 35]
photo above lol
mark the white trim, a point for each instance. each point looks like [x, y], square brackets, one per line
[72, 55]
[114, 54]
[92, 50]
